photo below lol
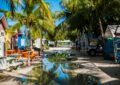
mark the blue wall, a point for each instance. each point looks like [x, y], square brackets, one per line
[20, 37]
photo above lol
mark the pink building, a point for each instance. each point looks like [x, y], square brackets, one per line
[3, 27]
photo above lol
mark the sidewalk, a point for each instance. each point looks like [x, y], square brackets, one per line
[11, 78]
[107, 71]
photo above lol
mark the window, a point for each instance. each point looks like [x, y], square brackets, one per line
[2, 33]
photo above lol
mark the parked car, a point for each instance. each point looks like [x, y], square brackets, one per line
[73, 46]
[94, 50]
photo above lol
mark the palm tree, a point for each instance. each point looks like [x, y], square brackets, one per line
[91, 14]
[36, 15]
[11, 4]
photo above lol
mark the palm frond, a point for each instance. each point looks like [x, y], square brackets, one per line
[16, 27]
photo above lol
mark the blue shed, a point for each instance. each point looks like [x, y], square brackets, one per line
[112, 43]
[108, 48]
[21, 41]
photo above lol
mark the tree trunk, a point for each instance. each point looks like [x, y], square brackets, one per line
[41, 42]
[102, 32]
[55, 43]
[41, 36]
[101, 28]
[30, 40]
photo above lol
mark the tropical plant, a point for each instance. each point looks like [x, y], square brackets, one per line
[35, 15]
[91, 15]
[12, 4]
[9, 34]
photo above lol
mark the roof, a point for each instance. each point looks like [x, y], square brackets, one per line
[110, 31]
[3, 21]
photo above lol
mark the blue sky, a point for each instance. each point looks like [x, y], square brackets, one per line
[3, 5]
[54, 6]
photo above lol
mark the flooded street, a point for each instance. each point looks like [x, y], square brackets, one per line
[52, 72]
[59, 42]
[62, 68]
[55, 76]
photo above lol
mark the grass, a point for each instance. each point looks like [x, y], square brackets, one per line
[57, 57]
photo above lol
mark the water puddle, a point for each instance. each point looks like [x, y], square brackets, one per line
[51, 73]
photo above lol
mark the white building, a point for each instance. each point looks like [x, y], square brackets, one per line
[37, 42]
[3, 27]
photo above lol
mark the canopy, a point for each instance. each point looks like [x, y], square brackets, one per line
[110, 31]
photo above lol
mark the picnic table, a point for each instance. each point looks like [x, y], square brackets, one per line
[13, 61]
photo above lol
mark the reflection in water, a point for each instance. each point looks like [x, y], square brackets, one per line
[51, 73]
[47, 66]
[39, 77]
[83, 79]
[62, 77]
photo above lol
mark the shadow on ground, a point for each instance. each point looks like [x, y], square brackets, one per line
[113, 72]
[84, 79]
[114, 82]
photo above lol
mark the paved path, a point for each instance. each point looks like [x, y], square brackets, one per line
[110, 69]
[10, 78]
[106, 70]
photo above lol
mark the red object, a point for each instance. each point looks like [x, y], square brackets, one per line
[16, 35]
[117, 34]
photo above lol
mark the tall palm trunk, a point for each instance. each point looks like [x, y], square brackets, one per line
[101, 28]
[30, 40]
[41, 37]
[41, 44]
